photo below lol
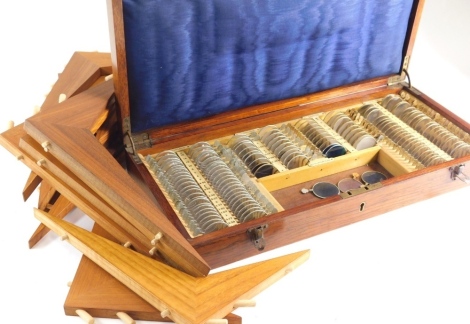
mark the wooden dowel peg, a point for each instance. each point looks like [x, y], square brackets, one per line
[157, 238]
[41, 162]
[244, 303]
[165, 313]
[127, 244]
[217, 321]
[64, 237]
[62, 97]
[10, 124]
[108, 77]
[153, 250]
[69, 284]
[288, 270]
[85, 316]
[20, 157]
[46, 146]
[125, 318]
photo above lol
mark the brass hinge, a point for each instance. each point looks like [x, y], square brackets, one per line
[397, 79]
[134, 142]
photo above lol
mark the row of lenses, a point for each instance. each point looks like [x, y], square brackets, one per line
[190, 200]
[426, 126]
[320, 137]
[287, 151]
[307, 147]
[225, 183]
[352, 132]
[239, 169]
[255, 160]
[400, 136]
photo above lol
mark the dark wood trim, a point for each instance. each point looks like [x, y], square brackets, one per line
[118, 58]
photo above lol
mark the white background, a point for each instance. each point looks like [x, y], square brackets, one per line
[407, 266]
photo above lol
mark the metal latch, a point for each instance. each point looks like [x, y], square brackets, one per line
[132, 142]
[457, 173]
[257, 236]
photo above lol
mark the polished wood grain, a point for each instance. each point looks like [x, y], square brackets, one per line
[328, 214]
[185, 299]
[83, 197]
[70, 131]
[92, 66]
[11, 140]
[292, 225]
[101, 295]
[119, 60]
[416, 13]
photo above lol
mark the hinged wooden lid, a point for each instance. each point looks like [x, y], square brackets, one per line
[182, 61]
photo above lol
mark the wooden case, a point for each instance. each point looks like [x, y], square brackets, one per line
[150, 218]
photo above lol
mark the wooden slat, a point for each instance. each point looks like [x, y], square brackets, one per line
[118, 56]
[187, 299]
[101, 295]
[61, 208]
[10, 140]
[31, 184]
[70, 132]
[84, 198]
[305, 173]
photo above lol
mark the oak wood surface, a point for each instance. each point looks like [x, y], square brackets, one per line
[188, 299]
[101, 295]
[60, 208]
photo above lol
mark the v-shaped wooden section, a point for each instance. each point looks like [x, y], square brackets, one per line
[68, 128]
[93, 68]
[186, 299]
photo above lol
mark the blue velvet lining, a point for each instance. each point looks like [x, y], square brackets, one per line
[189, 59]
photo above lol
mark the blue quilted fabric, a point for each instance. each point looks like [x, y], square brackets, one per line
[189, 59]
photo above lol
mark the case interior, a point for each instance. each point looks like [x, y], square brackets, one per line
[187, 60]
[401, 135]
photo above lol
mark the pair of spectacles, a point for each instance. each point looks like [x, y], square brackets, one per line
[325, 189]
